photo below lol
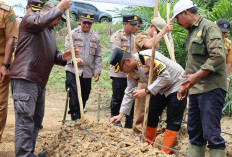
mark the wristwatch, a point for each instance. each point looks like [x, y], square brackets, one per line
[147, 91]
[7, 65]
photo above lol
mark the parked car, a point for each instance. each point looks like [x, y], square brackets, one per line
[99, 16]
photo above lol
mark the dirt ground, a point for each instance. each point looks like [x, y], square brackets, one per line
[70, 140]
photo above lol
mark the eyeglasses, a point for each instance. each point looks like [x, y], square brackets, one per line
[87, 23]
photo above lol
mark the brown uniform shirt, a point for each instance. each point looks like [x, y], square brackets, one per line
[8, 26]
[140, 40]
[228, 50]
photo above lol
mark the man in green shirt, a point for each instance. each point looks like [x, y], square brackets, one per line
[205, 75]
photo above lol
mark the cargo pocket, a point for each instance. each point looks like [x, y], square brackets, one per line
[197, 46]
[20, 102]
[93, 47]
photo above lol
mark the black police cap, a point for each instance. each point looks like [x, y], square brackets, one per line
[224, 25]
[36, 5]
[116, 58]
[133, 19]
[88, 17]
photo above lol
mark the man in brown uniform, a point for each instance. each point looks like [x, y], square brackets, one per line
[224, 26]
[143, 41]
[8, 30]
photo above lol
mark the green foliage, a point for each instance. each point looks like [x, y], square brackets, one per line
[222, 9]
[227, 109]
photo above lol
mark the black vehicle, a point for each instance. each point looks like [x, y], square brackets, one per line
[78, 7]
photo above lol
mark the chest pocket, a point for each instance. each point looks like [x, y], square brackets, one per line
[93, 48]
[197, 46]
[79, 44]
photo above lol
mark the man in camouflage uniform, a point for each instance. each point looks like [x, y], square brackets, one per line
[205, 74]
[144, 41]
[224, 26]
[165, 84]
[87, 43]
[124, 39]
[8, 30]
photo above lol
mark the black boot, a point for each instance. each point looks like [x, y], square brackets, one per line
[75, 116]
[129, 122]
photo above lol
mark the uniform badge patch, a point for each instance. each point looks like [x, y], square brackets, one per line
[124, 37]
[128, 75]
[11, 18]
[78, 37]
[139, 63]
[117, 37]
[199, 33]
[135, 76]
[146, 69]
[93, 38]
[125, 44]
[124, 48]
[92, 50]
[78, 43]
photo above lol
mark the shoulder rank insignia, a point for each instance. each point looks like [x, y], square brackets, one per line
[199, 33]
[139, 63]
[5, 7]
[128, 76]
[158, 66]
[117, 37]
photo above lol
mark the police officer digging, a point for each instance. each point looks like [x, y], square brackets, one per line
[166, 82]
[123, 39]
[87, 43]
[8, 30]
[205, 72]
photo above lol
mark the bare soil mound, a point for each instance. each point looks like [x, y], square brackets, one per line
[74, 140]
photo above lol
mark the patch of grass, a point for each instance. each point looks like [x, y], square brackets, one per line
[57, 78]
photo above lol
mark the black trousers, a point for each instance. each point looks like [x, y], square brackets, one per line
[118, 86]
[175, 110]
[70, 83]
